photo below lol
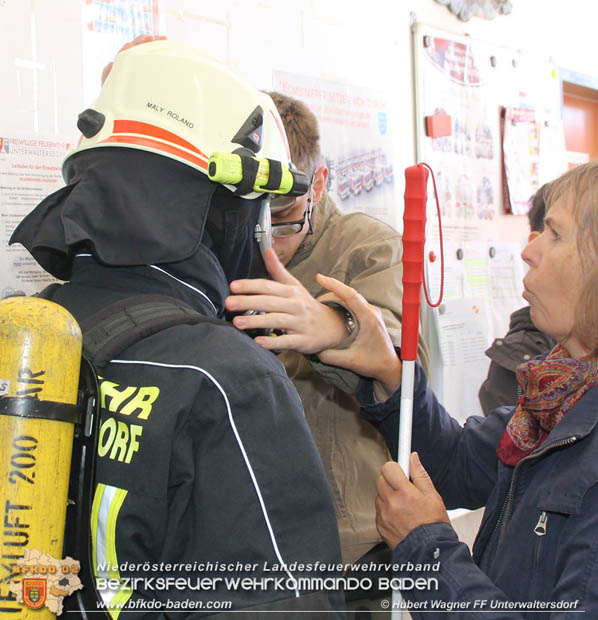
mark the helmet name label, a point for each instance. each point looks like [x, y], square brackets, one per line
[154, 106]
[171, 114]
[180, 119]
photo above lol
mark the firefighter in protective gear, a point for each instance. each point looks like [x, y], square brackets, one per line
[206, 467]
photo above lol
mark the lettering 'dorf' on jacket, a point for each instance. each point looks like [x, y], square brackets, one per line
[119, 439]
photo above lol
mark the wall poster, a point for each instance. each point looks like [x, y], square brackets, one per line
[355, 125]
[29, 171]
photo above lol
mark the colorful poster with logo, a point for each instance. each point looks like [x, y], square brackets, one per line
[125, 18]
[107, 26]
[355, 129]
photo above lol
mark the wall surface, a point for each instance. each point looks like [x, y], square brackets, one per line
[362, 44]
[52, 55]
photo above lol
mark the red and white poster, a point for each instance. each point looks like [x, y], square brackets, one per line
[355, 126]
[458, 82]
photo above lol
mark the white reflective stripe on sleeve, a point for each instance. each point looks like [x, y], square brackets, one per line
[241, 448]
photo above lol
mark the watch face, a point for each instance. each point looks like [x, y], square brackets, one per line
[349, 321]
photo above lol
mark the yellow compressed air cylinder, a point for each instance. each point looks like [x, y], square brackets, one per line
[40, 358]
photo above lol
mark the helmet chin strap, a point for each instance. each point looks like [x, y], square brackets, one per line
[263, 228]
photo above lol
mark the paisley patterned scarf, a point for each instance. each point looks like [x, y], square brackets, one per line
[550, 387]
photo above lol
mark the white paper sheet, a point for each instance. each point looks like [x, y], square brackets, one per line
[29, 171]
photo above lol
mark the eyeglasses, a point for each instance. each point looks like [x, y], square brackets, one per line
[285, 229]
[280, 202]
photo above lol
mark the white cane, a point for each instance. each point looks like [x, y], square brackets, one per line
[414, 238]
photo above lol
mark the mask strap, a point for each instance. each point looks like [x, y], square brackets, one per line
[263, 228]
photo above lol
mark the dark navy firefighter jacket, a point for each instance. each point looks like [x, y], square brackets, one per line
[206, 469]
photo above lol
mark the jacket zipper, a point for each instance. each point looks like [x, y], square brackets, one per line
[558, 444]
[540, 529]
[507, 504]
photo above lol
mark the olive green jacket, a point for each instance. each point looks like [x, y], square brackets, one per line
[365, 253]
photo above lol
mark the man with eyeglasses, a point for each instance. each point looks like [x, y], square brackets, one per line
[312, 236]
[285, 208]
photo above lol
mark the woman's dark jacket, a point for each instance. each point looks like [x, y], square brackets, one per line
[538, 541]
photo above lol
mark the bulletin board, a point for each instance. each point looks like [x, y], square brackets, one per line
[506, 140]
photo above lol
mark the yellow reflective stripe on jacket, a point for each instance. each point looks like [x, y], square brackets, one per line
[107, 503]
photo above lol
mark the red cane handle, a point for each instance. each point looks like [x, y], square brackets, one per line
[414, 238]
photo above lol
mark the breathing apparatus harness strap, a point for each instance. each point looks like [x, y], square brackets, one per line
[118, 326]
[34, 408]
[106, 334]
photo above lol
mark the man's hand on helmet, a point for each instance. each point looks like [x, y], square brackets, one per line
[309, 325]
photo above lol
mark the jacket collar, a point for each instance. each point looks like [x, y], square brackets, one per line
[204, 291]
[578, 423]
[520, 320]
[566, 492]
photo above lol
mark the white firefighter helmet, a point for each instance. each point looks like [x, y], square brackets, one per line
[176, 100]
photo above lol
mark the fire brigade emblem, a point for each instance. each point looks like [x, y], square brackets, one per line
[54, 579]
[34, 592]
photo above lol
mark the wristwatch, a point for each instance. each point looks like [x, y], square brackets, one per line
[350, 322]
[350, 325]
[349, 319]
